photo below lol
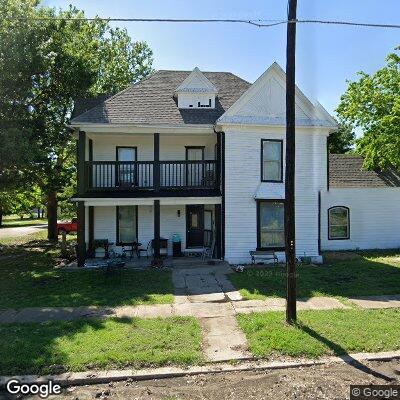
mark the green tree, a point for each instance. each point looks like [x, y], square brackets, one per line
[342, 140]
[18, 62]
[6, 204]
[70, 58]
[373, 104]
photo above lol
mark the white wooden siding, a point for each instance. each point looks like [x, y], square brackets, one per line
[374, 218]
[243, 184]
[172, 147]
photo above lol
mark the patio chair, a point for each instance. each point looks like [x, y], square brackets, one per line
[147, 250]
[208, 251]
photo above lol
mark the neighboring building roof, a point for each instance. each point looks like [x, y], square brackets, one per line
[152, 101]
[346, 171]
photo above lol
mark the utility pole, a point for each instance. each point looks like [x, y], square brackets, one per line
[290, 232]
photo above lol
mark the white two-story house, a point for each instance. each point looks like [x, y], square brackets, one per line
[202, 156]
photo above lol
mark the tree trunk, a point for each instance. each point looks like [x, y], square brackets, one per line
[38, 213]
[52, 216]
[1, 217]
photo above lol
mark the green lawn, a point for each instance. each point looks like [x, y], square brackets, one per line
[12, 222]
[22, 240]
[343, 274]
[322, 332]
[55, 347]
[28, 279]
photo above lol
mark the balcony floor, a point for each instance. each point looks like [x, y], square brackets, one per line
[146, 193]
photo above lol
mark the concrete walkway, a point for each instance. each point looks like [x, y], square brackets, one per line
[197, 309]
[391, 301]
[210, 294]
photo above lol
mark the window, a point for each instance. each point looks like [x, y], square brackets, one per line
[126, 224]
[339, 223]
[126, 171]
[271, 160]
[270, 224]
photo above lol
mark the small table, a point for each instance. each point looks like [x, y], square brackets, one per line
[105, 244]
[134, 248]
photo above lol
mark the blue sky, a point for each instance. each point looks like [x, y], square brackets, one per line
[326, 55]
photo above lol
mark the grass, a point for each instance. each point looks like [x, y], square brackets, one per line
[23, 239]
[56, 347]
[28, 279]
[342, 275]
[14, 222]
[319, 333]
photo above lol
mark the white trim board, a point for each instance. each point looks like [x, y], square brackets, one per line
[148, 201]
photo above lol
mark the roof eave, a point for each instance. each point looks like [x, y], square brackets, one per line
[140, 128]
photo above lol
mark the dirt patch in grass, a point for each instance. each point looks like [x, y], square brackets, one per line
[341, 256]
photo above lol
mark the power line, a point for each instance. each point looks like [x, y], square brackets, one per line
[260, 23]
[365, 24]
[257, 23]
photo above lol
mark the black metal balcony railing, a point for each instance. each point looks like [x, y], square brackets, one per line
[138, 175]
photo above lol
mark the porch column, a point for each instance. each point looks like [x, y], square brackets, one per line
[222, 195]
[156, 243]
[81, 154]
[91, 232]
[218, 159]
[81, 247]
[156, 172]
[218, 229]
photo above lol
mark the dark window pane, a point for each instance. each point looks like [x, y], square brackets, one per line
[272, 224]
[127, 224]
[272, 159]
[338, 223]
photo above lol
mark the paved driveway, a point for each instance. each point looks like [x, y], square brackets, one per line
[21, 230]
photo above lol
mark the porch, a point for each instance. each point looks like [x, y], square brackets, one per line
[174, 263]
[157, 227]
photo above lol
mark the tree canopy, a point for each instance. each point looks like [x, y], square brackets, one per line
[342, 140]
[49, 58]
[373, 104]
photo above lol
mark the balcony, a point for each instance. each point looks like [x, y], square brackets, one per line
[150, 177]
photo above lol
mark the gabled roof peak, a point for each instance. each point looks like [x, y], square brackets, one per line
[196, 82]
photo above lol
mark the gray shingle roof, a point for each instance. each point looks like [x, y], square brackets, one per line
[82, 105]
[346, 170]
[151, 101]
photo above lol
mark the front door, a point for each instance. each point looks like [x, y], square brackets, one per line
[195, 226]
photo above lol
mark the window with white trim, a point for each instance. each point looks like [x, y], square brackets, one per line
[338, 223]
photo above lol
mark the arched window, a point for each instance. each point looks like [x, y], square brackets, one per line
[338, 223]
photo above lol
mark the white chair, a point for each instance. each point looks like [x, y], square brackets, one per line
[208, 251]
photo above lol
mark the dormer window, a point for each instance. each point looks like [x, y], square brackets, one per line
[196, 91]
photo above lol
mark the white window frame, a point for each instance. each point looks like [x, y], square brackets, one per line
[330, 225]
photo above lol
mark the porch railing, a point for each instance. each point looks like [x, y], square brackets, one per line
[141, 175]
